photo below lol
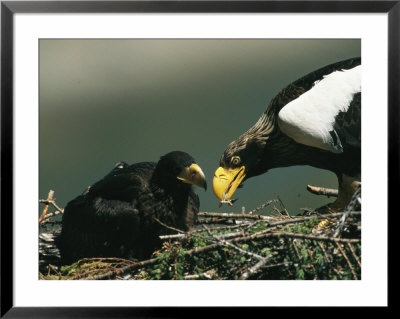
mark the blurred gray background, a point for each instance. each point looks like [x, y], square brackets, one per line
[104, 101]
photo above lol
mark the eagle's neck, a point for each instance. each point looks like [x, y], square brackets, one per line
[275, 149]
[267, 123]
[282, 151]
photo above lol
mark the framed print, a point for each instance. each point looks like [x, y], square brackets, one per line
[129, 128]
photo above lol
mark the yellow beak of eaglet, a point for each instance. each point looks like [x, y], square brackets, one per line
[227, 180]
[193, 175]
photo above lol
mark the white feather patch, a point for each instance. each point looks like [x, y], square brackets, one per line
[309, 118]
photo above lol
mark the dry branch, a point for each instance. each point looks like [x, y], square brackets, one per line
[354, 254]
[267, 203]
[305, 218]
[44, 217]
[167, 226]
[228, 244]
[322, 191]
[47, 218]
[350, 207]
[51, 202]
[251, 271]
[205, 275]
[347, 260]
[218, 228]
[46, 207]
[299, 258]
[312, 237]
[233, 215]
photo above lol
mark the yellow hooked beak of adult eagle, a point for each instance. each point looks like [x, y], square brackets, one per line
[226, 181]
[193, 175]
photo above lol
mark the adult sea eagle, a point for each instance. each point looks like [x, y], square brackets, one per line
[123, 214]
[315, 121]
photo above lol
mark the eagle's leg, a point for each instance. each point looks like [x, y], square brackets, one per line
[347, 187]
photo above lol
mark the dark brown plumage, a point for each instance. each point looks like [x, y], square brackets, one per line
[119, 215]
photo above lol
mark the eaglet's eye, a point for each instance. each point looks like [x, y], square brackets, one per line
[235, 160]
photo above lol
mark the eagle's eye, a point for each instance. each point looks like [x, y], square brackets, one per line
[235, 160]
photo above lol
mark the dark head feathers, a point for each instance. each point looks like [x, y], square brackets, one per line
[175, 161]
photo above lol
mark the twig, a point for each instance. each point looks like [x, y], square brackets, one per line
[179, 236]
[305, 218]
[322, 191]
[284, 208]
[326, 257]
[337, 272]
[354, 254]
[347, 260]
[238, 233]
[229, 244]
[207, 275]
[299, 258]
[215, 221]
[112, 273]
[285, 263]
[223, 228]
[309, 252]
[51, 202]
[105, 259]
[251, 271]
[169, 227]
[229, 235]
[306, 210]
[198, 250]
[245, 224]
[350, 207]
[47, 217]
[267, 203]
[46, 207]
[233, 215]
[313, 237]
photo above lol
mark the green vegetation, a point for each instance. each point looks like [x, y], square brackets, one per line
[301, 248]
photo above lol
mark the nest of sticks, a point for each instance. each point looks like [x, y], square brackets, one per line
[265, 243]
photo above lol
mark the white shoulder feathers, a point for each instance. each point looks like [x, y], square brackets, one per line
[309, 119]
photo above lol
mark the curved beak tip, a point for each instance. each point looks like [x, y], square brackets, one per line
[193, 175]
[226, 181]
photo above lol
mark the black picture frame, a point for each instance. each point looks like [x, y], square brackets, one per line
[9, 8]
